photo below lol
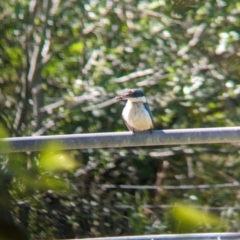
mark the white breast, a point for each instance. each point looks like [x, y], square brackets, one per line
[137, 116]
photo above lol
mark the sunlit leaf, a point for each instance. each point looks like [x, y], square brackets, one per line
[76, 47]
[53, 159]
[53, 183]
[187, 218]
[3, 134]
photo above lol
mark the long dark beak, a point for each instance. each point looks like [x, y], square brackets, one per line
[125, 96]
[121, 97]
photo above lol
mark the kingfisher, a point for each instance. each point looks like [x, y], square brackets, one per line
[136, 113]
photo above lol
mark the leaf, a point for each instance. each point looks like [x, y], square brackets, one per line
[187, 218]
[54, 160]
[3, 134]
[76, 47]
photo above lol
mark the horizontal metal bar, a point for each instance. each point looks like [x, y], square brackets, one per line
[191, 236]
[168, 206]
[154, 187]
[124, 139]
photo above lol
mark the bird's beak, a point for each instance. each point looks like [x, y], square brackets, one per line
[125, 96]
[119, 98]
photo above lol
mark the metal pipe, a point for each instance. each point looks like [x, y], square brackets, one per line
[191, 236]
[123, 139]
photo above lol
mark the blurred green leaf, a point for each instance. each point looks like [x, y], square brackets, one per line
[187, 218]
[76, 48]
[3, 132]
[50, 182]
[53, 159]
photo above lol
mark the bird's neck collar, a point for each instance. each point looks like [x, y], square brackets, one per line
[137, 99]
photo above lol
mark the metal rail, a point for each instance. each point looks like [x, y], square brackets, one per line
[123, 139]
[193, 236]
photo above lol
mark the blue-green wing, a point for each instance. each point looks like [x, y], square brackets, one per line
[148, 110]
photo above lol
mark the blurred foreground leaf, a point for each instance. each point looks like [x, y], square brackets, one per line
[54, 183]
[188, 218]
[3, 134]
[54, 160]
[43, 174]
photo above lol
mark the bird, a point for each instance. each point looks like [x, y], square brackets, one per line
[136, 113]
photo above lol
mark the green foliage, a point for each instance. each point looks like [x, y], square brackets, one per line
[187, 218]
[60, 64]
[54, 160]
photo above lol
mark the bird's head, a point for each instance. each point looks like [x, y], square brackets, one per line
[134, 95]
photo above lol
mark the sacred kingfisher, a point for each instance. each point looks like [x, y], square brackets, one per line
[136, 113]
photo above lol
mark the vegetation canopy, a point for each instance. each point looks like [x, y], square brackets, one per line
[61, 65]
